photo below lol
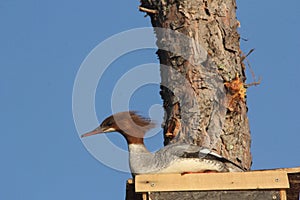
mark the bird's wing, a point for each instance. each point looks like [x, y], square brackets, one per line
[212, 155]
[193, 151]
[183, 150]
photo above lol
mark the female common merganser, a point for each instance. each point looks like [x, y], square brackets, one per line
[173, 158]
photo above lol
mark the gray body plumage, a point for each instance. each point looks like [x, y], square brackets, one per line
[177, 158]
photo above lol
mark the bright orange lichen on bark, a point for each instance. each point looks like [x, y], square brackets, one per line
[174, 128]
[237, 92]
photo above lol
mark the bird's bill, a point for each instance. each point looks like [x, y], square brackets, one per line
[94, 132]
[98, 131]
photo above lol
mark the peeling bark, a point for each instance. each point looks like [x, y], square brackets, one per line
[195, 69]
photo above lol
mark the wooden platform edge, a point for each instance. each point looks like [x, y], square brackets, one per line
[261, 179]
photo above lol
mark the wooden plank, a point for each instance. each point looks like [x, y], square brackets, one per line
[288, 170]
[283, 194]
[291, 170]
[212, 181]
[145, 197]
[220, 194]
[130, 181]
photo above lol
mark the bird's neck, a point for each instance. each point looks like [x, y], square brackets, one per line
[137, 148]
[134, 137]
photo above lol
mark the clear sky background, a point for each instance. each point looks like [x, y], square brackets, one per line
[42, 46]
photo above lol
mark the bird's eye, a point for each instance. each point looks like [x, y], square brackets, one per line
[109, 123]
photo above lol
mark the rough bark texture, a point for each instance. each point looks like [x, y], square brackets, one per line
[202, 75]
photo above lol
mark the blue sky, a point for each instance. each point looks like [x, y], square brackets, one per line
[43, 44]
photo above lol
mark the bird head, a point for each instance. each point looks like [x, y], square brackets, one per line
[131, 125]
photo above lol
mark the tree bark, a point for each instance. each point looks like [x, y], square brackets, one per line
[203, 78]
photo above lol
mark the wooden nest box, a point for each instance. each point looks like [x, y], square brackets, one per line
[278, 184]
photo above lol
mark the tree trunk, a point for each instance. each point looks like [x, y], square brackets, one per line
[202, 75]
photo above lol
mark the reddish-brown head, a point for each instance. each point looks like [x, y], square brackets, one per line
[131, 125]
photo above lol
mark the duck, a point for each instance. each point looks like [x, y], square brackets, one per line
[173, 158]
